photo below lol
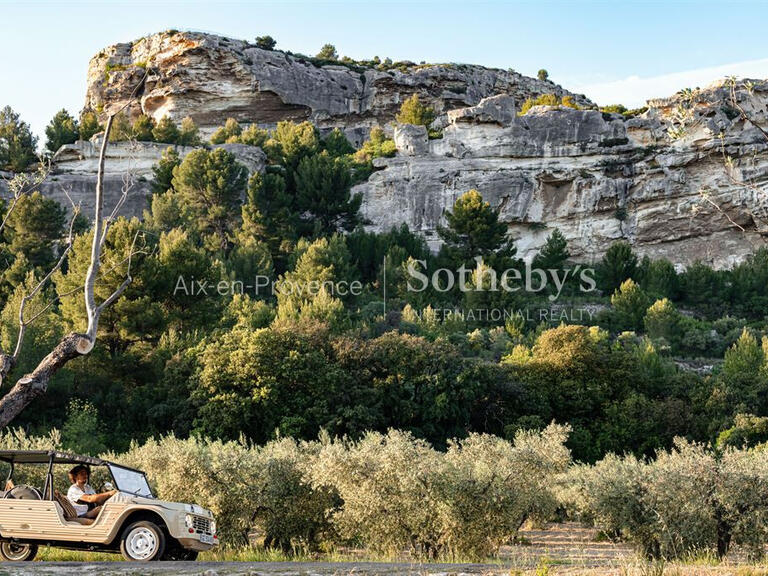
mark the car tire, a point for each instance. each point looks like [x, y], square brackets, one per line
[13, 552]
[142, 541]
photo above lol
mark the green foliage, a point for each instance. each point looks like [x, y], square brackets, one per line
[163, 171]
[554, 253]
[658, 278]
[121, 128]
[413, 111]
[165, 131]
[143, 129]
[328, 52]
[542, 74]
[211, 183]
[189, 134]
[377, 146]
[17, 144]
[544, 100]
[474, 230]
[83, 431]
[253, 136]
[323, 195]
[748, 430]
[617, 265]
[266, 42]
[629, 303]
[89, 125]
[33, 228]
[230, 131]
[687, 501]
[337, 145]
[62, 129]
[464, 502]
[662, 321]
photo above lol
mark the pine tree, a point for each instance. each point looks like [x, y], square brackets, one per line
[89, 125]
[337, 145]
[266, 42]
[121, 128]
[142, 128]
[166, 131]
[163, 171]
[474, 230]
[211, 183]
[17, 144]
[414, 112]
[328, 52]
[323, 188]
[630, 304]
[227, 133]
[618, 264]
[189, 135]
[33, 227]
[554, 253]
[60, 131]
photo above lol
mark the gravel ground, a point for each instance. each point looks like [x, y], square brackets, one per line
[246, 569]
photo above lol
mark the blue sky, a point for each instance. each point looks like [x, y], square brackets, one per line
[612, 51]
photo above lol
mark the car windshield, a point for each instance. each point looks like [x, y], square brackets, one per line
[130, 481]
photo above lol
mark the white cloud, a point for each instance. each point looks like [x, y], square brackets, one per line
[634, 90]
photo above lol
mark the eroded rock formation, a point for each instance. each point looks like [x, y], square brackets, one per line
[211, 78]
[660, 181]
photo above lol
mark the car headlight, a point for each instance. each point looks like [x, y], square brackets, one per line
[213, 526]
[189, 521]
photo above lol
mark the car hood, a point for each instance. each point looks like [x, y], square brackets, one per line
[173, 506]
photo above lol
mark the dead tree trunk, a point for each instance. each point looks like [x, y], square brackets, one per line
[73, 345]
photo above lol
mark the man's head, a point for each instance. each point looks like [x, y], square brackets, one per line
[80, 474]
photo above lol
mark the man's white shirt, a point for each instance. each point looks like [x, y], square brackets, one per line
[74, 494]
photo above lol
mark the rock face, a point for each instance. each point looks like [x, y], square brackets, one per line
[659, 181]
[128, 164]
[212, 78]
[687, 180]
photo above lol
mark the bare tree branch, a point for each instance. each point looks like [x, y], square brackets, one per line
[73, 345]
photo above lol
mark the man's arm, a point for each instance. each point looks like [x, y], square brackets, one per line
[97, 498]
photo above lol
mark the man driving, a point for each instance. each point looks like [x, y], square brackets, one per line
[84, 499]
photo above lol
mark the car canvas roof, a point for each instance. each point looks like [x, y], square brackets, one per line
[44, 456]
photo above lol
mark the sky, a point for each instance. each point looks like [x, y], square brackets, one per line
[614, 52]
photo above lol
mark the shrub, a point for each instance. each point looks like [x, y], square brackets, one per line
[60, 131]
[542, 74]
[229, 132]
[143, 128]
[413, 111]
[328, 52]
[89, 125]
[166, 131]
[266, 42]
[377, 145]
[189, 135]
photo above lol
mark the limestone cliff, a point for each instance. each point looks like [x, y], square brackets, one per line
[211, 78]
[660, 181]
[686, 180]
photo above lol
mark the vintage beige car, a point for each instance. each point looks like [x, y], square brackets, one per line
[132, 521]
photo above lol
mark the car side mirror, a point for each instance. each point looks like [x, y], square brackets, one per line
[108, 486]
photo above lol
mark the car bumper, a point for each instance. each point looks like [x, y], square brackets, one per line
[195, 544]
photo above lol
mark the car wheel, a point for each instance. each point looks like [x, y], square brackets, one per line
[142, 542]
[14, 552]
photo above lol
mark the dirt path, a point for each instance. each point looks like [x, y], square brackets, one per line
[246, 569]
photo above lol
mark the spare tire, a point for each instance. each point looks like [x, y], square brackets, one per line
[24, 492]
